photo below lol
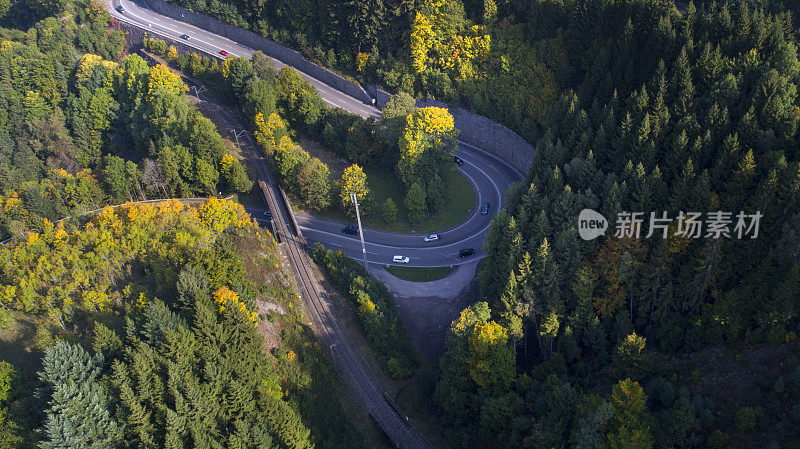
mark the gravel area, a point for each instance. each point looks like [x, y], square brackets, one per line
[427, 308]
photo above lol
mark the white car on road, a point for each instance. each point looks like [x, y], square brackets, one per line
[431, 237]
[401, 259]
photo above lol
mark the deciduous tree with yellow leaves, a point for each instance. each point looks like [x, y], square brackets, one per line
[440, 41]
[354, 180]
[269, 131]
[162, 79]
[427, 142]
[491, 358]
[60, 273]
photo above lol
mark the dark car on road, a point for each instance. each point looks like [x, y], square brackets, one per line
[352, 230]
[458, 160]
[120, 9]
[466, 252]
[185, 36]
[485, 209]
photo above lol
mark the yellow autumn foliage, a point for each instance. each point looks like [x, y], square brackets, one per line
[228, 299]
[85, 66]
[6, 45]
[12, 202]
[57, 273]
[436, 44]
[491, 359]
[422, 36]
[172, 53]
[225, 68]
[488, 334]
[161, 79]
[354, 180]
[268, 132]
[426, 129]
[226, 162]
[361, 61]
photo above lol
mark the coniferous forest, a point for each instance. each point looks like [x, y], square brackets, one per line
[174, 324]
[636, 105]
[161, 324]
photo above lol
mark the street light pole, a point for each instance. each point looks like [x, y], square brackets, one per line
[237, 134]
[198, 91]
[354, 197]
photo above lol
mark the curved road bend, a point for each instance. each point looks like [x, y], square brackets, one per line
[139, 14]
[480, 167]
[352, 367]
[490, 176]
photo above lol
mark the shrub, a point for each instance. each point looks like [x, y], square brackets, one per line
[389, 210]
[415, 202]
[396, 369]
[172, 53]
[437, 196]
[747, 418]
[718, 439]
[376, 312]
[157, 46]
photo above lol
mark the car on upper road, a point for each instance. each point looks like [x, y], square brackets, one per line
[267, 213]
[485, 209]
[185, 36]
[466, 252]
[352, 230]
[401, 259]
[431, 237]
[458, 160]
[223, 53]
[121, 9]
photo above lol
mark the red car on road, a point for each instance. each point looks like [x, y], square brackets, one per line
[223, 53]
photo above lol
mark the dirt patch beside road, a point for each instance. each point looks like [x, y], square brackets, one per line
[336, 164]
[427, 308]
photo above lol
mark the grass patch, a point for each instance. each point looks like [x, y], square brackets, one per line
[460, 202]
[17, 345]
[419, 274]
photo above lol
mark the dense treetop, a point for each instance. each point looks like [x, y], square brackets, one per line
[634, 106]
[70, 104]
[174, 297]
[662, 112]
[157, 325]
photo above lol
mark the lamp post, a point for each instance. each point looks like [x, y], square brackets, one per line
[354, 197]
[198, 90]
[237, 134]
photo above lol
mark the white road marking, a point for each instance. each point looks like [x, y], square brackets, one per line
[406, 248]
[129, 12]
[348, 103]
[492, 156]
[496, 189]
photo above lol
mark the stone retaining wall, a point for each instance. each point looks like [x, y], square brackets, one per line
[270, 48]
[490, 136]
[476, 130]
[135, 38]
[479, 131]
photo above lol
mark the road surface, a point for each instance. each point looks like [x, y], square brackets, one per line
[489, 176]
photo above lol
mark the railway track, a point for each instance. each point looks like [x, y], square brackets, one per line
[352, 367]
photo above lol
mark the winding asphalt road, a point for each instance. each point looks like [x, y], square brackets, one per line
[489, 176]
